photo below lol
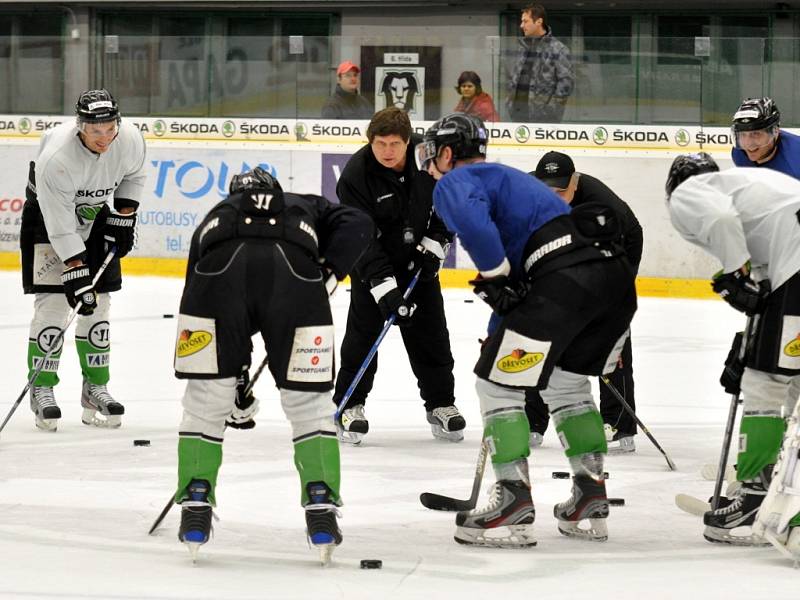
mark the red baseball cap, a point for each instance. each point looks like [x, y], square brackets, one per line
[347, 66]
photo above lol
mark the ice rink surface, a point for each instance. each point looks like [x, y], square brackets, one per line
[75, 506]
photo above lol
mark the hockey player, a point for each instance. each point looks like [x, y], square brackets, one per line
[260, 262]
[557, 171]
[382, 180]
[749, 220]
[562, 293]
[81, 199]
[759, 141]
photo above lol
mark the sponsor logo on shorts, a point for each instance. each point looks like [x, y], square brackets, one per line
[191, 342]
[519, 360]
[793, 348]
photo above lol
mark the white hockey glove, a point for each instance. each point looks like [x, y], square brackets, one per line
[246, 405]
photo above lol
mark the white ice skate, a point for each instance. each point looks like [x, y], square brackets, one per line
[447, 423]
[43, 405]
[588, 502]
[352, 426]
[95, 401]
[505, 522]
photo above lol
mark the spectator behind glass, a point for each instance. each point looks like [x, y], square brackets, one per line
[346, 102]
[474, 101]
[541, 78]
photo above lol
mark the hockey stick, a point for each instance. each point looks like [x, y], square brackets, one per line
[372, 351]
[55, 343]
[641, 425]
[726, 439]
[171, 501]
[439, 502]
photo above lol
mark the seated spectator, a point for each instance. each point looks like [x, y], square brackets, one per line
[474, 101]
[346, 102]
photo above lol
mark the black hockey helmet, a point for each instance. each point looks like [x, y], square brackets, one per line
[96, 106]
[688, 165]
[464, 134]
[255, 179]
[755, 114]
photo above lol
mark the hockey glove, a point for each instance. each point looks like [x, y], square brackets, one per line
[499, 292]
[731, 378]
[329, 279]
[78, 287]
[120, 231]
[429, 258]
[741, 292]
[246, 405]
[390, 301]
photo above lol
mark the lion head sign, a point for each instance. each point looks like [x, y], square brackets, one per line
[402, 87]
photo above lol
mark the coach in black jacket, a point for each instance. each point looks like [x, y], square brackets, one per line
[557, 171]
[382, 179]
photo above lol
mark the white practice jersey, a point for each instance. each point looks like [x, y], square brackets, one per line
[70, 176]
[742, 214]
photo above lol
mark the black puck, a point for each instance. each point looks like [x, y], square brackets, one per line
[565, 475]
[469, 300]
[616, 501]
[141, 442]
[371, 563]
[166, 316]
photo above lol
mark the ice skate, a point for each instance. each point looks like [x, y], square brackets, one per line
[536, 439]
[722, 525]
[505, 522]
[588, 501]
[95, 400]
[447, 423]
[196, 514]
[624, 442]
[322, 528]
[352, 425]
[43, 405]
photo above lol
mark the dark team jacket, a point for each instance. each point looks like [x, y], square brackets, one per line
[395, 207]
[346, 105]
[591, 189]
[331, 233]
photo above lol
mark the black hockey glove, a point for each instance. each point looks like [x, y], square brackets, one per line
[731, 378]
[499, 292]
[120, 231]
[390, 301]
[741, 292]
[246, 405]
[429, 258]
[78, 287]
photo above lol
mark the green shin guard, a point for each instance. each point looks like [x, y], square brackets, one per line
[197, 459]
[581, 432]
[48, 376]
[317, 459]
[508, 436]
[759, 444]
[94, 361]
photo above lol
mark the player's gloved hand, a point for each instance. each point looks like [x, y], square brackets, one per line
[78, 287]
[731, 378]
[120, 231]
[498, 292]
[741, 292]
[429, 258]
[246, 405]
[390, 301]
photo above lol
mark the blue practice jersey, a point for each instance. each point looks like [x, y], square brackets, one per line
[494, 209]
[786, 159]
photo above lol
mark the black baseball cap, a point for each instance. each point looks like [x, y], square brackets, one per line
[554, 170]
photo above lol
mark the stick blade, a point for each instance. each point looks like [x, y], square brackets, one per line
[445, 503]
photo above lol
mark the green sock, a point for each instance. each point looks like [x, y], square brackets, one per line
[94, 361]
[759, 444]
[48, 376]
[197, 459]
[508, 436]
[317, 459]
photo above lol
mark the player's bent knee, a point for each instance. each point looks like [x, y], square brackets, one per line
[308, 412]
[206, 405]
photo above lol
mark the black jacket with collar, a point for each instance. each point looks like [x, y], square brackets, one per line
[394, 206]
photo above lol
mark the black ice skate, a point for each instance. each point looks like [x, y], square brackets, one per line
[618, 442]
[588, 501]
[43, 405]
[322, 528]
[196, 516]
[741, 512]
[95, 400]
[447, 423]
[352, 425]
[505, 522]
